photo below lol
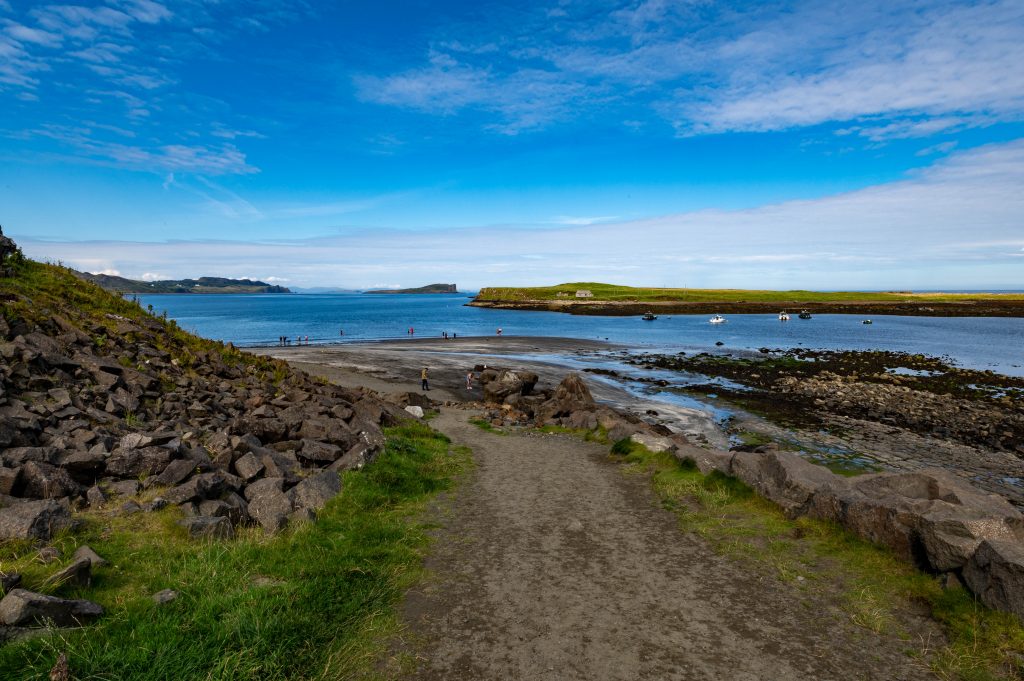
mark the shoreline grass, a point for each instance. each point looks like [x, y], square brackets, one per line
[317, 601]
[631, 294]
[983, 645]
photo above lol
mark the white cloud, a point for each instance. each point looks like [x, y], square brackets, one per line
[152, 276]
[955, 224]
[958, 63]
[109, 272]
[895, 69]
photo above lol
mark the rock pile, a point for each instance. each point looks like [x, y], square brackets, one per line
[92, 410]
[929, 517]
[944, 416]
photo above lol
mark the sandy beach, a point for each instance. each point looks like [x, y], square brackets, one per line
[394, 366]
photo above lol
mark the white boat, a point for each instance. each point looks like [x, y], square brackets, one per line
[717, 319]
[783, 316]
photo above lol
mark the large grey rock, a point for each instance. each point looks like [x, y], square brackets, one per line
[995, 573]
[784, 478]
[263, 486]
[206, 527]
[654, 443]
[135, 463]
[316, 490]
[34, 519]
[334, 431]
[505, 382]
[85, 552]
[707, 461]
[176, 472]
[77, 573]
[320, 452]
[270, 508]
[9, 479]
[44, 481]
[22, 608]
[248, 467]
[203, 486]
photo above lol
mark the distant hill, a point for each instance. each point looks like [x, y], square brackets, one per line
[431, 288]
[200, 285]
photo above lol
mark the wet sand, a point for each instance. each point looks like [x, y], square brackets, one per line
[394, 366]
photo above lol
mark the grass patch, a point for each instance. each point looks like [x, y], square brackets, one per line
[872, 583]
[599, 434]
[315, 602]
[484, 424]
[613, 292]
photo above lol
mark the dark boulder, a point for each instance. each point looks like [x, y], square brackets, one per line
[995, 573]
[206, 527]
[34, 519]
[315, 491]
[23, 608]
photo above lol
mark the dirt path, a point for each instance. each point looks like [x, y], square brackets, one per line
[552, 564]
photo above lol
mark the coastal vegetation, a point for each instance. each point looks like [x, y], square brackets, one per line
[593, 298]
[316, 601]
[630, 294]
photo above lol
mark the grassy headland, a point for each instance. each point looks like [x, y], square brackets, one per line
[611, 299]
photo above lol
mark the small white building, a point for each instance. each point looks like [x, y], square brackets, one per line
[584, 293]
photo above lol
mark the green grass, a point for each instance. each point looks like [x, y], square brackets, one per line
[316, 602]
[612, 292]
[485, 425]
[872, 585]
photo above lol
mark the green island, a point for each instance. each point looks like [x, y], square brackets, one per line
[201, 285]
[610, 299]
[429, 288]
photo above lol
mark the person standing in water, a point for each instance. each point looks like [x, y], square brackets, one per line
[423, 379]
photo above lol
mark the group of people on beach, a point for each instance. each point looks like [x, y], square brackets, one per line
[286, 340]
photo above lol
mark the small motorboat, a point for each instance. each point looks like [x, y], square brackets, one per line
[866, 321]
[717, 319]
[649, 317]
[783, 316]
[804, 314]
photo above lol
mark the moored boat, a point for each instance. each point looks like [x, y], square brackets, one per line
[783, 316]
[649, 317]
[866, 321]
[804, 314]
[717, 319]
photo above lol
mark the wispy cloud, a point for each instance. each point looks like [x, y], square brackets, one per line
[895, 69]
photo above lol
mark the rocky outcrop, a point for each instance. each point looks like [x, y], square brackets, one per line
[82, 419]
[964, 420]
[929, 517]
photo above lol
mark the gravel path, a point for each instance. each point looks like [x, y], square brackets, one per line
[552, 564]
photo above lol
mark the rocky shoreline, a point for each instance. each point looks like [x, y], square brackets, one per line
[923, 308]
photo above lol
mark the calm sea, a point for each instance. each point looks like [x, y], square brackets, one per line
[980, 343]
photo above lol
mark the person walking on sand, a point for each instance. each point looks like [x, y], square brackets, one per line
[423, 379]
[469, 381]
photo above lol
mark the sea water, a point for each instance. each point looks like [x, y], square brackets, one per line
[995, 343]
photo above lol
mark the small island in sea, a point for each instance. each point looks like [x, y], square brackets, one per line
[592, 298]
[429, 288]
[116, 284]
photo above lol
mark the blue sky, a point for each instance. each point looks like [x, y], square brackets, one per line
[747, 144]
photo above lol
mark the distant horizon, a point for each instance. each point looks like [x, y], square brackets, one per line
[795, 145]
